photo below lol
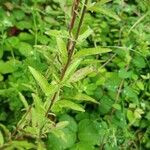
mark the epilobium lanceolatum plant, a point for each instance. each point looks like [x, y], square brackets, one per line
[74, 74]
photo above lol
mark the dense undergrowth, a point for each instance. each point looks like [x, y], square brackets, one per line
[82, 85]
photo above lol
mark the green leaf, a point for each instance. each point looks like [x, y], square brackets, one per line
[1, 52]
[105, 105]
[89, 132]
[91, 51]
[5, 131]
[25, 49]
[62, 49]
[42, 82]
[39, 105]
[138, 112]
[86, 34]
[62, 124]
[71, 69]
[139, 62]
[24, 101]
[1, 139]
[117, 106]
[13, 41]
[8, 66]
[130, 115]
[67, 104]
[102, 2]
[105, 11]
[81, 73]
[123, 73]
[72, 123]
[1, 77]
[140, 85]
[62, 142]
[82, 146]
[84, 97]
[23, 144]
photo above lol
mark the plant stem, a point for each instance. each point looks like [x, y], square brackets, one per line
[71, 43]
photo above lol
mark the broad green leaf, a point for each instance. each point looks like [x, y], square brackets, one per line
[72, 123]
[123, 73]
[8, 66]
[81, 73]
[139, 62]
[67, 104]
[23, 100]
[1, 139]
[61, 139]
[62, 49]
[25, 49]
[91, 51]
[89, 131]
[104, 11]
[42, 82]
[13, 41]
[71, 69]
[106, 104]
[84, 97]
[82, 146]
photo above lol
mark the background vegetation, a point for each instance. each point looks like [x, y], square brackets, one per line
[95, 97]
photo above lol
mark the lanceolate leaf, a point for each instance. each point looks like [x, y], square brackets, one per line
[83, 36]
[84, 97]
[71, 69]
[62, 49]
[81, 73]
[42, 82]
[68, 104]
[91, 51]
[38, 104]
[105, 11]
[1, 139]
[22, 98]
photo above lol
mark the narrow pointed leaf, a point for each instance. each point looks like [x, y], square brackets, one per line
[62, 49]
[91, 51]
[23, 100]
[105, 11]
[42, 82]
[1, 139]
[84, 97]
[81, 73]
[71, 69]
[86, 34]
[67, 104]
